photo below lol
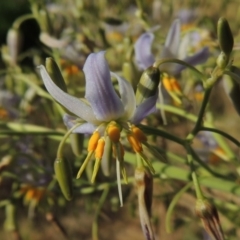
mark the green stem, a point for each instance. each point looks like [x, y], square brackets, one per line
[61, 145]
[205, 165]
[21, 19]
[193, 173]
[100, 205]
[173, 204]
[200, 115]
[178, 61]
[164, 134]
[10, 133]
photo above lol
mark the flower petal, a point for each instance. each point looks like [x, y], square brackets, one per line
[127, 96]
[144, 109]
[100, 93]
[143, 54]
[172, 41]
[200, 57]
[70, 121]
[73, 104]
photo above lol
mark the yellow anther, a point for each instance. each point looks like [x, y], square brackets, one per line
[30, 194]
[100, 148]
[187, 26]
[167, 84]
[114, 132]
[93, 141]
[138, 133]
[172, 85]
[136, 145]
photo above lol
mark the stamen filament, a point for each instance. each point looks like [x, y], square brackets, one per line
[119, 182]
[82, 168]
[95, 169]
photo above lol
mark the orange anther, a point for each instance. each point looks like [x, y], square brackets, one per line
[138, 133]
[167, 84]
[93, 141]
[114, 132]
[74, 70]
[136, 145]
[100, 148]
[30, 194]
[175, 85]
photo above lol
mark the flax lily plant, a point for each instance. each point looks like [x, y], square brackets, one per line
[105, 115]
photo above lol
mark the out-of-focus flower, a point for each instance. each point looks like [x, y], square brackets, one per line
[8, 104]
[104, 114]
[211, 152]
[172, 49]
[145, 58]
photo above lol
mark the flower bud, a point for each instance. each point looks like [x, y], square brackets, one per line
[209, 216]
[232, 88]
[144, 185]
[10, 220]
[225, 36]
[14, 43]
[222, 60]
[129, 73]
[55, 73]
[44, 21]
[148, 84]
[63, 173]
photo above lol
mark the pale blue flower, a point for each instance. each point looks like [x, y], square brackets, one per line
[102, 108]
[103, 104]
[145, 58]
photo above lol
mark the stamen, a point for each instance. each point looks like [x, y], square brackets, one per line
[138, 133]
[93, 141]
[119, 183]
[82, 168]
[175, 86]
[95, 169]
[136, 145]
[100, 148]
[114, 132]
[98, 155]
[120, 154]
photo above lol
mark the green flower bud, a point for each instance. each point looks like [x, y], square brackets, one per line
[222, 60]
[55, 73]
[14, 43]
[225, 36]
[209, 216]
[129, 73]
[10, 220]
[63, 173]
[44, 21]
[232, 88]
[148, 84]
